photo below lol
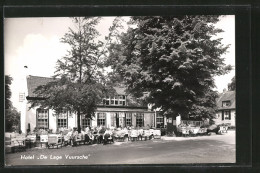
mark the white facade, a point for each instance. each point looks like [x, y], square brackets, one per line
[115, 113]
[149, 118]
[221, 118]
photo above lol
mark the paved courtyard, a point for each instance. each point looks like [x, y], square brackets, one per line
[168, 150]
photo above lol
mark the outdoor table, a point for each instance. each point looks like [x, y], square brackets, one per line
[54, 140]
[157, 134]
[134, 134]
[30, 139]
[18, 143]
[120, 135]
[146, 134]
[194, 131]
[43, 139]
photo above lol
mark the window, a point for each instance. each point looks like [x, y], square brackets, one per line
[101, 119]
[226, 103]
[139, 120]
[85, 122]
[21, 97]
[62, 121]
[116, 100]
[128, 120]
[42, 118]
[227, 115]
[159, 121]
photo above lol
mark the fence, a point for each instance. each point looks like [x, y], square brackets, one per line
[191, 122]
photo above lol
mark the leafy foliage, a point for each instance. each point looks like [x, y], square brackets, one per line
[12, 119]
[80, 84]
[174, 58]
[12, 116]
[232, 85]
[8, 93]
[63, 94]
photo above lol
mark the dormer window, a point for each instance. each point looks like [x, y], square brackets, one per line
[226, 103]
[117, 100]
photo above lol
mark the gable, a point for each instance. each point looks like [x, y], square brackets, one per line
[34, 81]
[227, 96]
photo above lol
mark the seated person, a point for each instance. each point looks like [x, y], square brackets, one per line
[108, 136]
[67, 137]
[91, 136]
[74, 136]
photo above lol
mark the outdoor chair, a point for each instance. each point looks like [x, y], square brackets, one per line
[140, 134]
[179, 131]
[108, 138]
[225, 129]
[31, 140]
[20, 143]
[14, 144]
[202, 131]
[43, 139]
[67, 139]
[126, 134]
[133, 135]
[157, 134]
[99, 138]
[185, 132]
[146, 135]
[81, 138]
[54, 140]
[194, 131]
[119, 135]
[222, 129]
[87, 139]
[151, 132]
[76, 139]
[8, 146]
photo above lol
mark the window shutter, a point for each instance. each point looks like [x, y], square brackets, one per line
[229, 115]
[222, 115]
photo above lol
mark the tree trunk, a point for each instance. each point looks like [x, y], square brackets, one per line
[78, 120]
[171, 129]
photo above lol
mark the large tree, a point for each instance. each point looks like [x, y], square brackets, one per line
[12, 116]
[8, 93]
[79, 83]
[175, 59]
[232, 84]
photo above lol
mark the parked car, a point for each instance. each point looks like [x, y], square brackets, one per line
[213, 128]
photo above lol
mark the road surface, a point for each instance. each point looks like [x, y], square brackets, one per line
[168, 150]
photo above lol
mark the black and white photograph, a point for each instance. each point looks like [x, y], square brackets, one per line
[112, 90]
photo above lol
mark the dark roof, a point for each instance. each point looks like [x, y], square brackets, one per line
[227, 96]
[120, 90]
[34, 81]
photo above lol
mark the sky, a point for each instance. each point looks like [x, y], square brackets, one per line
[35, 43]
